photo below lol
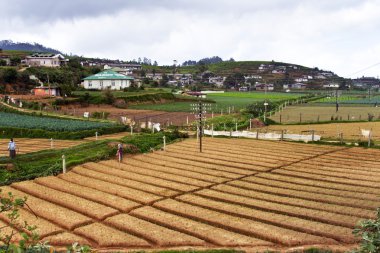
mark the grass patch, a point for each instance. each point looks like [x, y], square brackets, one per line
[49, 162]
[222, 101]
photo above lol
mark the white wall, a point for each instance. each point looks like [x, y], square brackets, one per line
[47, 62]
[104, 84]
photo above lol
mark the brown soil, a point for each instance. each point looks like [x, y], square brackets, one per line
[244, 194]
[164, 118]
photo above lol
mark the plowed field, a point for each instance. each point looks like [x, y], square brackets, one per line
[25, 145]
[246, 194]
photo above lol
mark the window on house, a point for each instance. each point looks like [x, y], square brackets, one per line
[101, 83]
[113, 83]
[89, 84]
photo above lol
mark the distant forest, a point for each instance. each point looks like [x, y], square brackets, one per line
[25, 46]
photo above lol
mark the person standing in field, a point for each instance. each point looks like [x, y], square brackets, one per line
[119, 152]
[12, 149]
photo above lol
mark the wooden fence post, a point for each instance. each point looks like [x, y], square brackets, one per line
[64, 163]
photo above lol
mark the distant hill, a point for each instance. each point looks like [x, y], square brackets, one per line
[25, 46]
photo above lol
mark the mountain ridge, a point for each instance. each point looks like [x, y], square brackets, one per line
[26, 46]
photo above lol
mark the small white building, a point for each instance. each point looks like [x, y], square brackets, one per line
[46, 60]
[331, 85]
[46, 91]
[107, 80]
[217, 81]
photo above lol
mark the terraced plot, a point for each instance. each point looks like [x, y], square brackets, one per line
[33, 145]
[249, 194]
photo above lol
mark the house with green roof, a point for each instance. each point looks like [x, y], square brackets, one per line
[107, 79]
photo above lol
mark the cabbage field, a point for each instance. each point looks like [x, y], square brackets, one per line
[47, 123]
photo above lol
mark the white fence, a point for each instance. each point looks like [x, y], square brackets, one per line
[265, 136]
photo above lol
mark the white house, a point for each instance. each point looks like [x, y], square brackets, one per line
[264, 86]
[217, 81]
[45, 60]
[301, 79]
[107, 79]
[331, 85]
[295, 86]
[154, 77]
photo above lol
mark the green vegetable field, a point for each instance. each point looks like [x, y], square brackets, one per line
[238, 100]
[46, 123]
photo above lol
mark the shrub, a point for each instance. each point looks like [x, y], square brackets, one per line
[369, 231]
[100, 115]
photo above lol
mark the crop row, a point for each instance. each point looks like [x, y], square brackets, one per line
[250, 183]
[238, 150]
[244, 189]
[227, 171]
[231, 195]
[275, 146]
[243, 158]
[216, 160]
[304, 185]
[172, 164]
[360, 186]
[284, 221]
[179, 181]
[339, 173]
[351, 168]
[241, 225]
[169, 171]
[46, 123]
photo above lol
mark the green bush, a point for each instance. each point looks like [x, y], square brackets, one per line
[369, 232]
[100, 115]
[144, 142]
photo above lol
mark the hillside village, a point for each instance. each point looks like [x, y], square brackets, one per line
[227, 75]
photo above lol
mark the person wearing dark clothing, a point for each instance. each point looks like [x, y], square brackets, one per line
[12, 149]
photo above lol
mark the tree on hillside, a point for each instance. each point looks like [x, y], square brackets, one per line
[3, 63]
[234, 80]
[210, 60]
[9, 75]
[164, 81]
[202, 67]
[15, 60]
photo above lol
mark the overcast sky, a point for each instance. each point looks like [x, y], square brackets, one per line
[338, 35]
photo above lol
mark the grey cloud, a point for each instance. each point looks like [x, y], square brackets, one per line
[52, 10]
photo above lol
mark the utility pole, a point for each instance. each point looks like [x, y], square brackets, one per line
[336, 100]
[369, 93]
[200, 110]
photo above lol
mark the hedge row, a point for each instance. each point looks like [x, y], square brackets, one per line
[154, 97]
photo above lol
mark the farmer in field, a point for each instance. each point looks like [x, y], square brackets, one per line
[12, 149]
[119, 152]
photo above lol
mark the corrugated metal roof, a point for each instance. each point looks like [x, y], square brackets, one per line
[108, 75]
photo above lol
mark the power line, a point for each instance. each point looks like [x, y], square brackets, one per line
[365, 69]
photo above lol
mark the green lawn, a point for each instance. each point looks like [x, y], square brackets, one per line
[223, 101]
